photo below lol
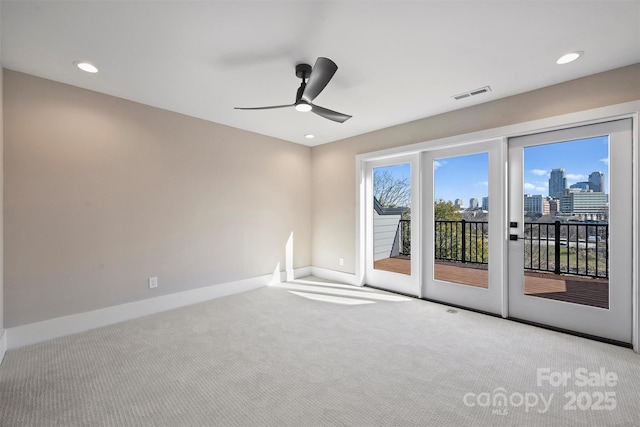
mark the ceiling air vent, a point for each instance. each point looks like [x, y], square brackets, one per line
[472, 93]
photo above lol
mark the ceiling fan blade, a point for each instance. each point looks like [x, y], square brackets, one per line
[329, 114]
[322, 72]
[263, 108]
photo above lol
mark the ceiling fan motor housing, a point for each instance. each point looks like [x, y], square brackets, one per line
[303, 71]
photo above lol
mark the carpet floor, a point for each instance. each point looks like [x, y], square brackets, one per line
[317, 353]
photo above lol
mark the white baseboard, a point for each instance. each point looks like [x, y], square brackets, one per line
[302, 272]
[53, 328]
[338, 276]
[3, 343]
[285, 276]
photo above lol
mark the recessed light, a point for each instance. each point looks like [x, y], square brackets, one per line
[569, 57]
[85, 66]
[309, 136]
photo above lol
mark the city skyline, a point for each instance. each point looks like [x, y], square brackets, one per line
[578, 158]
[466, 177]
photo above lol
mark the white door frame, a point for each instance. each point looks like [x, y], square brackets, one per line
[614, 323]
[492, 299]
[406, 284]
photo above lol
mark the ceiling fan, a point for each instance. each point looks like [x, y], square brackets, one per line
[318, 78]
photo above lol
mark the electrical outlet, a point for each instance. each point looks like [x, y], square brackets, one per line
[341, 261]
[153, 282]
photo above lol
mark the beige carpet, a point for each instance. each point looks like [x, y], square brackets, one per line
[315, 354]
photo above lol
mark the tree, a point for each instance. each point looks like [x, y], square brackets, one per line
[446, 211]
[391, 190]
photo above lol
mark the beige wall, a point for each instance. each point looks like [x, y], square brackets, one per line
[1, 212]
[1, 188]
[333, 165]
[101, 193]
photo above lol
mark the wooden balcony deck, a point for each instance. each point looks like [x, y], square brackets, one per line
[399, 264]
[559, 287]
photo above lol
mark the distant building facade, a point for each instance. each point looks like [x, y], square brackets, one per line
[546, 207]
[584, 185]
[576, 202]
[459, 203]
[533, 203]
[485, 203]
[473, 203]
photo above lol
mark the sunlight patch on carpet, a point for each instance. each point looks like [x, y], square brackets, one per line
[332, 299]
[345, 293]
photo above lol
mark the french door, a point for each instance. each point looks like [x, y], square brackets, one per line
[571, 228]
[392, 209]
[463, 260]
[536, 228]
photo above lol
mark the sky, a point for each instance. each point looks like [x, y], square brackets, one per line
[462, 177]
[467, 176]
[578, 158]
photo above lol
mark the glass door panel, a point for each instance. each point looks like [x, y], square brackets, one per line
[461, 233]
[566, 220]
[392, 218]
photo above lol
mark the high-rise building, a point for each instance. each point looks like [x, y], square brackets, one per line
[473, 203]
[459, 203]
[485, 203]
[596, 182]
[557, 182]
[576, 202]
[533, 203]
[583, 185]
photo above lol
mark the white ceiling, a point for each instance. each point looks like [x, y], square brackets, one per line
[398, 60]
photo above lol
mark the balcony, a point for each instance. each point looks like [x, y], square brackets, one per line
[563, 261]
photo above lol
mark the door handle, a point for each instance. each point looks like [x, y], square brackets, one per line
[515, 237]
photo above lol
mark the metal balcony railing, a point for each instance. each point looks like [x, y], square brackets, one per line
[570, 248]
[561, 248]
[404, 234]
[462, 241]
